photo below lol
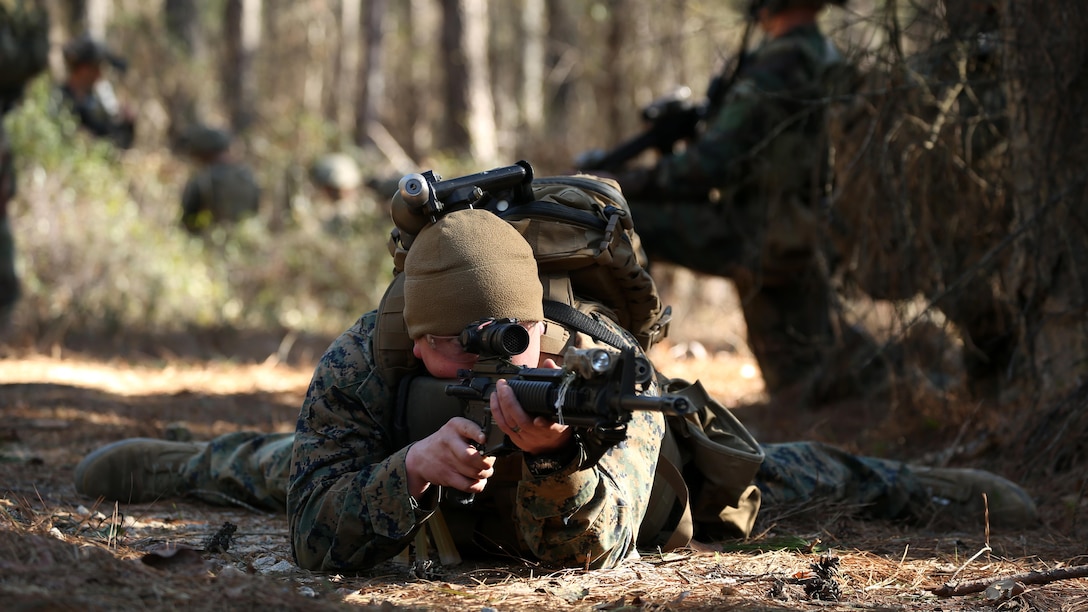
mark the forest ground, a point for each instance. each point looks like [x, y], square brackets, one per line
[62, 551]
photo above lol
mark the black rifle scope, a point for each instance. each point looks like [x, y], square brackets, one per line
[495, 338]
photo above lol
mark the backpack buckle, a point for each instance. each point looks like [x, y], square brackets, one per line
[604, 256]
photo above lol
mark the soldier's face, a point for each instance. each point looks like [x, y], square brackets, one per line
[86, 74]
[443, 356]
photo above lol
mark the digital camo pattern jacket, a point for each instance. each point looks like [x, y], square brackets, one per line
[348, 502]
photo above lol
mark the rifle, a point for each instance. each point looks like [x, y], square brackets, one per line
[596, 390]
[670, 119]
[426, 197]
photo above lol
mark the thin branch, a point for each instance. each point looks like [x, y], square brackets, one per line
[977, 586]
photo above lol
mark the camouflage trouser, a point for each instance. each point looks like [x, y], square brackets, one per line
[795, 330]
[253, 469]
[247, 467]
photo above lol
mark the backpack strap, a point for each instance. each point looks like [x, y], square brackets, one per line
[392, 344]
[685, 528]
[575, 319]
[597, 186]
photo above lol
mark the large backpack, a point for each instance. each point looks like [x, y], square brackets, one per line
[24, 44]
[592, 265]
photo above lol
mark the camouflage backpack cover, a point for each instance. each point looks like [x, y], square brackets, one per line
[24, 44]
[591, 264]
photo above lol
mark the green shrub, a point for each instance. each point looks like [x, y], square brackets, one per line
[100, 249]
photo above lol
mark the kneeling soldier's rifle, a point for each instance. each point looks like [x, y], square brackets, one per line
[596, 391]
[671, 118]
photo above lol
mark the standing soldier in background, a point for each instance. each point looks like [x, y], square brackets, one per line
[24, 49]
[745, 199]
[222, 190]
[90, 97]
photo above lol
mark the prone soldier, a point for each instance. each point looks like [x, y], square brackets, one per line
[365, 471]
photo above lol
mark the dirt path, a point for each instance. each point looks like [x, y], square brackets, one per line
[59, 550]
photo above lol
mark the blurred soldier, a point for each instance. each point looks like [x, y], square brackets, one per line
[222, 190]
[745, 199]
[24, 48]
[337, 175]
[337, 178]
[91, 97]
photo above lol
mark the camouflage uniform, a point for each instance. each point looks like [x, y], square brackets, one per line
[337, 207]
[254, 469]
[342, 479]
[222, 191]
[744, 200]
[348, 501]
[98, 111]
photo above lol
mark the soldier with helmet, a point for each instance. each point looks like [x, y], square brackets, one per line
[222, 190]
[746, 198]
[91, 97]
[337, 175]
[338, 206]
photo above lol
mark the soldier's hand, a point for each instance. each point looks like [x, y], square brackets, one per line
[537, 436]
[449, 458]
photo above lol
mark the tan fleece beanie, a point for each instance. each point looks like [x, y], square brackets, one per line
[468, 266]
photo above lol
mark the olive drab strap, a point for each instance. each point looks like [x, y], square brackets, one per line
[392, 344]
[682, 533]
[572, 318]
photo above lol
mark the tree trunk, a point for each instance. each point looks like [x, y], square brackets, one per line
[182, 19]
[347, 66]
[97, 17]
[533, 29]
[469, 126]
[371, 74]
[423, 30]
[484, 144]
[560, 61]
[453, 131]
[242, 29]
[610, 103]
[181, 89]
[1049, 154]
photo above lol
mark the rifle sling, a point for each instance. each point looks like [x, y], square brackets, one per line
[573, 318]
[685, 528]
